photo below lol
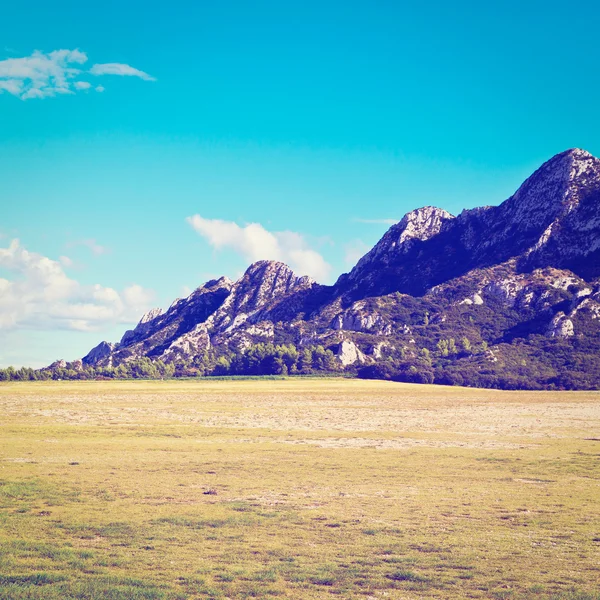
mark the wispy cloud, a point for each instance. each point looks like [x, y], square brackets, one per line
[377, 221]
[254, 242]
[65, 261]
[55, 73]
[120, 69]
[95, 248]
[354, 251]
[40, 295]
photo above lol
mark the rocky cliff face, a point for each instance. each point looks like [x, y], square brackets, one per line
[264, 284]
[495, 275]
[242, 319]
[157, 331]
[218, 312]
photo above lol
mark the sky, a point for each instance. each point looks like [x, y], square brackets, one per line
[146, 147]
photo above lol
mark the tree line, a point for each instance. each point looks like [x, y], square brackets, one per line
[258, 359]
[542, 363]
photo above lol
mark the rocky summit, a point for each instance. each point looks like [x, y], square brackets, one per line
[497, 296]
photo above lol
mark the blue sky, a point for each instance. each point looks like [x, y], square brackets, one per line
[291, 130]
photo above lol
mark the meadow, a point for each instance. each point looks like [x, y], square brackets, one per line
[297, 488]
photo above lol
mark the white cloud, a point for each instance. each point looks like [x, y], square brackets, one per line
[45, 75]
[254, 243]
[378, 221]
[12, 86]
[354, 251]
[100, 88]
[40, 295]
[120, 69]
[91, 244]
[41, 75]
[136, 296]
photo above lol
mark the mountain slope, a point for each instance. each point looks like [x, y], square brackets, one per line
[212, 314]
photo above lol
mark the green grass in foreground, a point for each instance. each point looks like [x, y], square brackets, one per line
[297, 489]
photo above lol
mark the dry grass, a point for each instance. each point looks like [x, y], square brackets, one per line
[297, 489]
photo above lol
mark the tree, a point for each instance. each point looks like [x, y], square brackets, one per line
[442, 347]
[222, 366]
[466, 344]
[452, 346]
[305, 361]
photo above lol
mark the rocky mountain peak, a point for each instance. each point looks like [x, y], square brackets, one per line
[264, 284]
[552, 220]
[260, 269]
[421, 224]
[144, 325]
[554, 188]
[101, 351]
[274, 275]
[264, 281]
[578, 153]
[569, 214]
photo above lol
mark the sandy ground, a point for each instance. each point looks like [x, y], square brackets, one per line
[328, 413]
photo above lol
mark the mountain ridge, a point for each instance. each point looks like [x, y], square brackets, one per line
[531, 263]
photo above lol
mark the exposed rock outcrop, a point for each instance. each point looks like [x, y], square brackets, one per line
[348, 353]
[354, 320]
[561, 326]
[190, 344]
[58, 364]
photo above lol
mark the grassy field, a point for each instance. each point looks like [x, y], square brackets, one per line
[297, 489]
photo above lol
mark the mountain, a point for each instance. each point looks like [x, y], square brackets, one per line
[552, 220]
[503, 296]
[219, 312]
